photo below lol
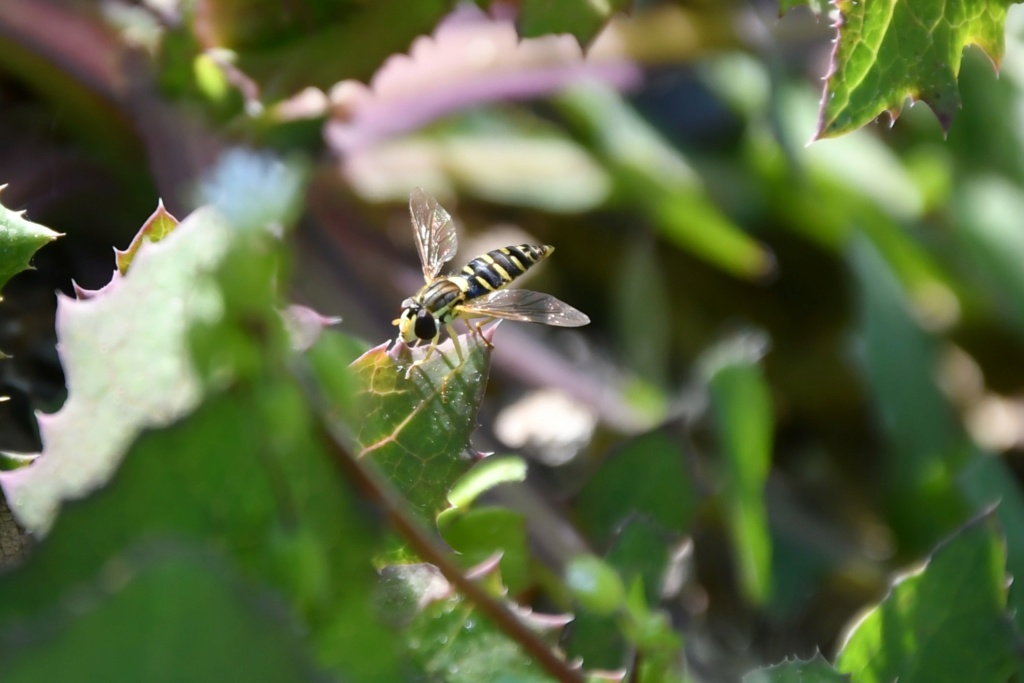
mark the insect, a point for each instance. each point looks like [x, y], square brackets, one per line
[477, 291]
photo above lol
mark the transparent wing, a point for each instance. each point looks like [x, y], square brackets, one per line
[525, 306]
[435, 232]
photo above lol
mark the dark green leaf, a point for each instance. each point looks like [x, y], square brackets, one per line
[665, 492]
[137, 619]
[927, 442]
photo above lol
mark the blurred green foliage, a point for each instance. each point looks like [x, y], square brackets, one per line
[805, 371]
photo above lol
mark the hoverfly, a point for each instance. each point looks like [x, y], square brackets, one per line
[476, 291]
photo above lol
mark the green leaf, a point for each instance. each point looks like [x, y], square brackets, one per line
[19, 240]
[330, 359]
[157, 226]
[659, 647]
[582, 18]
[946, 622]
[742, 406]
[640, 555]
[889, 51]
[125, 352]
[136, 620]
[482, 532]
[815, 670]
[615, 493]
[594, 584]
[416, 429]
[489, 473]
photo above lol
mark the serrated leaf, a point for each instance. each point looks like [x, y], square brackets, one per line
[582, 18]
[159, 224]
[889, 51]
[125, 354]
[415, 430]
[944, 622]
[814, 670]
[19, 240]
[136, 620]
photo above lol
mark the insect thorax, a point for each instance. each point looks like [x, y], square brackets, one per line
[441, 296]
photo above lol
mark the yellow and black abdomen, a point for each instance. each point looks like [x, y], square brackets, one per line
[497, 268]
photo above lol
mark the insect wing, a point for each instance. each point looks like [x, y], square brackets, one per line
[435, 233]
[525, 306]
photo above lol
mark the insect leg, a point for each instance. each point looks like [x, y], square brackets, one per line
[480, 331]
[455, 341]
[430, 351]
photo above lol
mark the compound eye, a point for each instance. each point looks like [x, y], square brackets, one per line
[425, 326]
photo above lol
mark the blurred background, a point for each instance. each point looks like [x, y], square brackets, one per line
[874, 281]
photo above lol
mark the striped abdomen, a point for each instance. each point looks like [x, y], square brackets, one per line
[497, 268]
